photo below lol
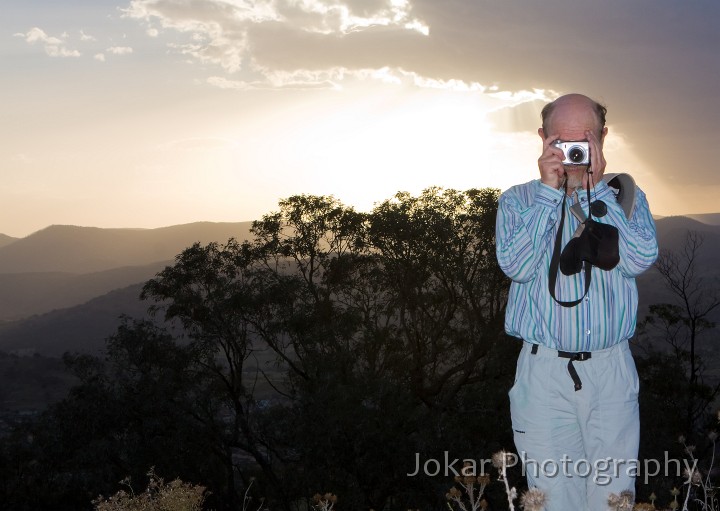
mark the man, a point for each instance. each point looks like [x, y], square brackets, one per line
[574, 403]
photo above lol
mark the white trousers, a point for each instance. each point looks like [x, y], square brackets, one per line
[577, 446]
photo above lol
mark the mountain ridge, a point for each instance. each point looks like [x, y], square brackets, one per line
[73, 326]
[75, 249]
[6, 240]
[81, 328]
[27, 294]
[64, 265]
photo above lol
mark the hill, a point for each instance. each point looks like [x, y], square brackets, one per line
[6, 240]
[72, 249]
[672, 232]
[30, 384]
[63, 266]
[82, 328]
[27, 294]
[706, 218]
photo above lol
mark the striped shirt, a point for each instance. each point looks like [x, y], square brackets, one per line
[527, 221]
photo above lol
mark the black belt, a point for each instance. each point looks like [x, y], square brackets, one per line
[574, 356]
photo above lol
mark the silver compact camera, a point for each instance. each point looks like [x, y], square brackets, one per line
[576, 153]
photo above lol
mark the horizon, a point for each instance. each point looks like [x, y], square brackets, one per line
[146, 114]
[691, 216]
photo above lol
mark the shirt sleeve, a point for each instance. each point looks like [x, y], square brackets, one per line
[523, 230]
[638, 245]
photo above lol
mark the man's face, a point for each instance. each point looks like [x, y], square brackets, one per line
[574, 175]
[570, 120]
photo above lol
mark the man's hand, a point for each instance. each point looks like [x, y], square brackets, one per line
[597, 160]
[550, 164]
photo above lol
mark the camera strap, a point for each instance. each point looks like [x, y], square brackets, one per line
[555, 260]
[624, 188]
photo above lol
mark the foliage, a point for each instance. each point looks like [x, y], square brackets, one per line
[681, 324]
[131, 410]
[330, 350]
[158, 496]
[324, 502]
[700, 491]
[397, 309]
[697, 490]
[676, 396]
[469, 491]
[327, 351]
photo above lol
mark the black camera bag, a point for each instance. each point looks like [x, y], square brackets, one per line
[596, 245]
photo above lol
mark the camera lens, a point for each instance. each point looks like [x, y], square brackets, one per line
[576, 154]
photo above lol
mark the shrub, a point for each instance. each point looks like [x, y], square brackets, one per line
[158, 496]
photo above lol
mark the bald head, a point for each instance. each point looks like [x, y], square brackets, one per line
[575, 104]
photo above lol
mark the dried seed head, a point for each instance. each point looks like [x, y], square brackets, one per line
[453, 494]
[697, 477]
[622, 502]
[483, 480]
[468, 469]
[533, 500]
[502, 459]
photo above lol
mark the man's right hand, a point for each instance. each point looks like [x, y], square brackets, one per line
[552, 172]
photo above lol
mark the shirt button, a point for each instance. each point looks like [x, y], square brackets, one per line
[587, 332]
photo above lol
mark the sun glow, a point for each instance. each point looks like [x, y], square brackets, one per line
[366, 148]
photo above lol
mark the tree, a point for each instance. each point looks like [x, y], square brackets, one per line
[446, 292]
[135, 410]
[216, 294]
[399, 309]
[675, 399]
[325, 354]
[683, 321]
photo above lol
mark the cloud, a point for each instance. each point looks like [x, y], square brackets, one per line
[302, 79]
[654, 63]
[239, 36]
[336, 17]
[86, 37]
[54, 47]
[113, 50]
[120, 50]
[518, 118]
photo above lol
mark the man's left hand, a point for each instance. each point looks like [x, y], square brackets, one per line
[597, 159]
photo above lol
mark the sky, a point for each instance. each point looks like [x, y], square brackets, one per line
[150, 113]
